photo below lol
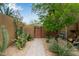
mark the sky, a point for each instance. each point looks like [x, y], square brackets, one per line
[26, 11]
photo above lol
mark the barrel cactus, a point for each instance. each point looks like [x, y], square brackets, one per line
[5, 39]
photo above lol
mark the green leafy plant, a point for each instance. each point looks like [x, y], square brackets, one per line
[49, 37]
[29, 37]
[59, 50]
[5, 37]
[22, 39]
[55, 16]
[20, 43]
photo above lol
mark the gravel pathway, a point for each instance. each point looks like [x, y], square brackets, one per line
[13, 51]
[37, 48]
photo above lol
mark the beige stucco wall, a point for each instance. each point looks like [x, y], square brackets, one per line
[8, 22]
[29, 29]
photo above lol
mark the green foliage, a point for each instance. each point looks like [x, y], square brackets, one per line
[29, 38]
[21, 40]
[1, 5]
[5, 9]
[56, 16]
[5, 37]
[20, 43]
[60, 50]
[49, 37]
[19, 31]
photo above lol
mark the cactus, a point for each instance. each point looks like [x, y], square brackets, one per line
[5, 37]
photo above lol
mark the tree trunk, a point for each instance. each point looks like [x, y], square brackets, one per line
[66, 32]
[66, 36]
[56, 35]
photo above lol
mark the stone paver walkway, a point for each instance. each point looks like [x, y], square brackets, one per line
[36, 48]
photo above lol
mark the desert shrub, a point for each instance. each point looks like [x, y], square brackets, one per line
[29, 37]
[59, 50]
[20, 43]
[69, 45]
[21, 39]
[49, 37]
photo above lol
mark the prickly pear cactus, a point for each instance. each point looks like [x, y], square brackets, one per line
[5, 39]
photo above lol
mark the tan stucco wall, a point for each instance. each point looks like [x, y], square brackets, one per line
[8, 22]
[29, 29]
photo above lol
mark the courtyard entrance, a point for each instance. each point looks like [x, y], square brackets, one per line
[38, 32]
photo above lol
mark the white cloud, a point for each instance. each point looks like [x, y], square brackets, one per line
[13, 5]
[29, 18]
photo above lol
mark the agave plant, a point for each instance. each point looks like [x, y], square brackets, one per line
[1, 5]
[60, 50]
[4, 9]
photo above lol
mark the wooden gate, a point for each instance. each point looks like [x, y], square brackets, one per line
[38, 32]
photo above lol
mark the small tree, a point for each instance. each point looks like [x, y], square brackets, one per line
[56, 16]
